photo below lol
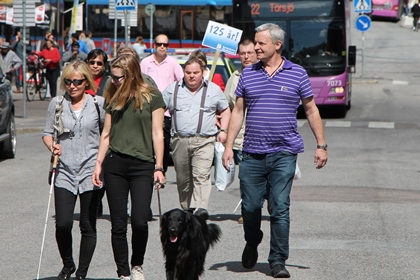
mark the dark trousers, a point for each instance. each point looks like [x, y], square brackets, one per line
[65, 202]
[52, 76]
[167, 142]
[124, 174]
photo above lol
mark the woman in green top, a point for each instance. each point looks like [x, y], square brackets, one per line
[131, 156]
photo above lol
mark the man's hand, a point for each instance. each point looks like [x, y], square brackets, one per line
[320, 158]
[227, 159]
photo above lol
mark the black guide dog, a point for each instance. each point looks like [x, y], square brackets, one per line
[186, 239]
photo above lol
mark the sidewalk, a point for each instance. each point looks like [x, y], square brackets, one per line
[35, 114]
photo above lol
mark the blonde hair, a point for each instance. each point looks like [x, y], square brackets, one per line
[82, 68]
[133, 86]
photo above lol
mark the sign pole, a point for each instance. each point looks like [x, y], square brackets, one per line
[363, 54]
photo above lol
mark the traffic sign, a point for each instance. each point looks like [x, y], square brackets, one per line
[362, 6]
[150, 9]
[363, 23]
[121, 5]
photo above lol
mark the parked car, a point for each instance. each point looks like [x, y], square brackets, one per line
[7, 119]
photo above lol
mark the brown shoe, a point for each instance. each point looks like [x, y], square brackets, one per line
[240, 220]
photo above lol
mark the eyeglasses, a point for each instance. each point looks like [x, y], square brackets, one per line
[117, 78]
[75, 82]
[93, 62]
[162, 44]
[247, 53]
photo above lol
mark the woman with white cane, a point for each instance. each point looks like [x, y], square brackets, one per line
[77, 147]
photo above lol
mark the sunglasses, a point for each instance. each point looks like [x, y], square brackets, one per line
[162, 44]
[93, 62]
[116, 78]
[75, 82]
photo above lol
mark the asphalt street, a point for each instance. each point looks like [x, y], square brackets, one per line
[357, 218]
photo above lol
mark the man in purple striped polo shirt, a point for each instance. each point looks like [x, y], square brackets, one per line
[270, 91]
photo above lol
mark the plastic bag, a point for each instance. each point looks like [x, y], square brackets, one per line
[298, 174]
[223, 178]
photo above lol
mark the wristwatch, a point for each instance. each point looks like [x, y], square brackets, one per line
[324, 147]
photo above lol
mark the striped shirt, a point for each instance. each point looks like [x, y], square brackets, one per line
[272, 103]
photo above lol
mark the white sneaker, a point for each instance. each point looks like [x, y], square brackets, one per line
[122, 277]
[137, 273]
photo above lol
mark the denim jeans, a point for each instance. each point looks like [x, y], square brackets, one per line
[17, 78]
[272, 175]
[65, 202]
[124, 174]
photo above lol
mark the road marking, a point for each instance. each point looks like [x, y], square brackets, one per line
[397, 82]
[389, 125]
[337, 124]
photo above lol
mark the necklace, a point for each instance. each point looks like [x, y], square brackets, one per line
[281, 63]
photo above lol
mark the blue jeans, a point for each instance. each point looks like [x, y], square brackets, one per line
[17, 78]
[272, 175]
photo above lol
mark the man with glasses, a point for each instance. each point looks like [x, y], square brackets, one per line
[97, 60]
[164, 70]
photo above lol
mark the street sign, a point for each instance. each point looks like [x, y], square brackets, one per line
[150, 9]
[222, 37]
[121, 5]
[362, 6]
[363, 23]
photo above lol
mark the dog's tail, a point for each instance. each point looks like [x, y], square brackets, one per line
[214, 234]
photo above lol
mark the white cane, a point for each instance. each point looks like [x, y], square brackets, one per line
[48, 210]
[237, 206]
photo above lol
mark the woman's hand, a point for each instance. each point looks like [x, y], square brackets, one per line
[55, 149]
[159, 179]
[96, 176]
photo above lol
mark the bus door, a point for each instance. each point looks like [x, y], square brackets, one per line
[186, 26]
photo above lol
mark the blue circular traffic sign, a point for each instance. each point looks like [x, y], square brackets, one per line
[363, 23]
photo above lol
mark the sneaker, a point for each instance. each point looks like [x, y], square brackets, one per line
[80, 278]
[137, 273]
[202, 213]
[280, 271]
[122, 277]
[66, 272]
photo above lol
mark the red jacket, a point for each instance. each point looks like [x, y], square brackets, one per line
[54, 55]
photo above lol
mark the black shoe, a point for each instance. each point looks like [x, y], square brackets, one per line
[280, 271]
[80, 278]
[201, 212]
[249, 256]
[66, 272]
[191, 210]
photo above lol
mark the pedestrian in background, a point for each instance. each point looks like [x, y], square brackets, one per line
[193, 103]
[134, 110]
[77, 150]
[269, 92]
[18, 46]
[139, 46]
[9, 61]
[86, 37]
[415, 10]
[73, 54]
[52, 59]
[164, 70]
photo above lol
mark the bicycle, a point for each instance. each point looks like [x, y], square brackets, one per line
[36, 83]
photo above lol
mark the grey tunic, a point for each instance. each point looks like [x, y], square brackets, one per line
[79, 146]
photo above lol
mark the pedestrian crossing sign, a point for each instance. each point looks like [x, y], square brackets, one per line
[362, 6]
[121, 5]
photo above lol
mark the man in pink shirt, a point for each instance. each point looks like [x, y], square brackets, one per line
[164, 70]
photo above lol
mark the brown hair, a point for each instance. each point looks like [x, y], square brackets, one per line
[133, 86]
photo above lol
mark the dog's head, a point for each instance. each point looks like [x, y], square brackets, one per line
[174, 224]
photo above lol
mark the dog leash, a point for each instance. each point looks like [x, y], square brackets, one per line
[158, 186]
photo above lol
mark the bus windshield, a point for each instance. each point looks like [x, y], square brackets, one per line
[315, 31]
